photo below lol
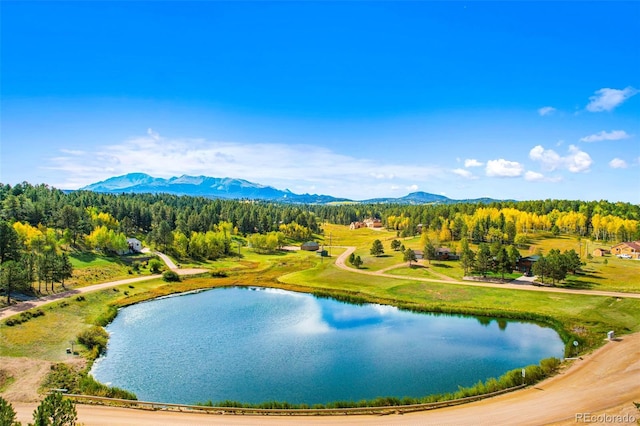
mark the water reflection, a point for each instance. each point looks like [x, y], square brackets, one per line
[265, 344]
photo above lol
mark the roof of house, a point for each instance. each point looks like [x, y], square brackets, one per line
[533, 258]
[635, 245]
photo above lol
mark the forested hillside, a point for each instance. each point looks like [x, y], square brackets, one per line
[40, 225]
[78, 214]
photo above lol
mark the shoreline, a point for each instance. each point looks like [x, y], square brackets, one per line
[556, 400]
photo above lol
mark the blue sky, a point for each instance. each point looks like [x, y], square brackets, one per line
[522, 100]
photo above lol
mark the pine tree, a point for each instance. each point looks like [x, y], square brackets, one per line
[377, 249]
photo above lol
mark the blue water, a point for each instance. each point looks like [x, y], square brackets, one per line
[255, 345]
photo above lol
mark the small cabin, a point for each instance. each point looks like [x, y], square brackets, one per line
[525, 264]
[135, 245]
[600, 252]
[310, 246]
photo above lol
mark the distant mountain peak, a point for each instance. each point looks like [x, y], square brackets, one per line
[232, 188]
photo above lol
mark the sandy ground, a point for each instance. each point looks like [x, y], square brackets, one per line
[606, 381]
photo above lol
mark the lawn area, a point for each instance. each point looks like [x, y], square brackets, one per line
[419, 271]
[615, 274]
[449, 268]
[48, 336]
[92, 268]
[343, 236]
[587, 317]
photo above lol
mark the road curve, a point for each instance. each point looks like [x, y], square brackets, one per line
[24, 306]
[340, 263]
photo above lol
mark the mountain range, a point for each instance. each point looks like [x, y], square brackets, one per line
[211, 187]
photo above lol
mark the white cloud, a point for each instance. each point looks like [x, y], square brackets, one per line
[576, 160]
[613, 135]
[539, 177]
[607, 99]
[548, 110]
[533, 176]
[472, 162]
[300, 168]
[504, 168]
[618, 163]
[464, 173]
[412, 188]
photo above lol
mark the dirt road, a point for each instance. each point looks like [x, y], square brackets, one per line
[23, 306]
[606, 381]
[340, 263]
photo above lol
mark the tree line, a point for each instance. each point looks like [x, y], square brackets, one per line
[38, 220]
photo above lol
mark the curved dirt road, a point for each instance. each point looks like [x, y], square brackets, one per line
[605, 381]
[23, 306]
[341, 263]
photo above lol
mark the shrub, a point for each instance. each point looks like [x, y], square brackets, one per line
[89, 386]
[61, 376]
[95, 339]
[155, 266]
[24, 317]
[549, 365]
[171, 276]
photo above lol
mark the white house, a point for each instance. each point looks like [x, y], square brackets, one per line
[135, 245]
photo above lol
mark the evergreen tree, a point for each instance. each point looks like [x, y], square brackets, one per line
[541, 268]
[572, 260]
[64, 268]
[429, 251]
[376, 248]
[55, 410]
[12, 277]
[467, 257]
[484, 259]
[557, 265]
[502, 262]
[7, 414]
[409, 256]
[9, 243]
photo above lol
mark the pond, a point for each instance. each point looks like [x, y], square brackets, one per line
[257, 344]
